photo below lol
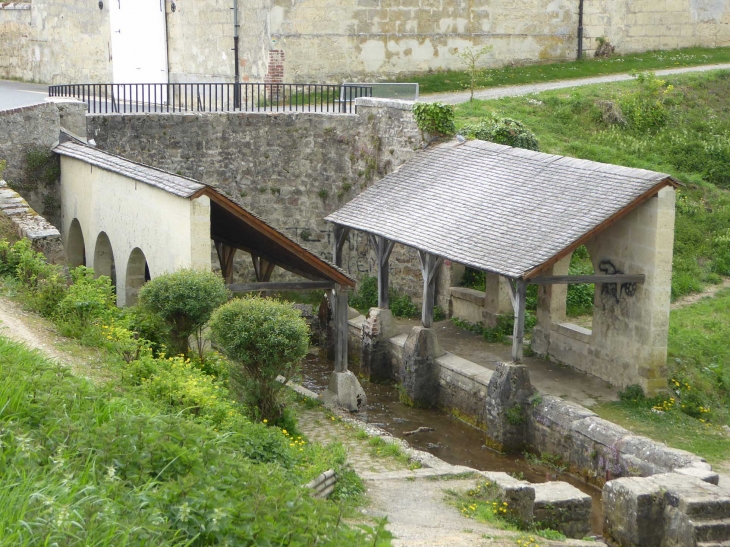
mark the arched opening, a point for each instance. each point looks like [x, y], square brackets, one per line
[138, 273]
[104, 258]
[75, 247]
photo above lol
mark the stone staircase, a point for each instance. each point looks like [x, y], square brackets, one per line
[667, 510]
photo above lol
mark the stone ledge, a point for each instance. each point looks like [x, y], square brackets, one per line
[44, 237]
[573, 331]
[470, 295]
[396, 104]
[15, 5]
[563, 507]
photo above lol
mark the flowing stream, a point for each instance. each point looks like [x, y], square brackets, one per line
[452, 440]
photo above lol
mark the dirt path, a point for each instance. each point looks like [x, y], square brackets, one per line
[517, 90]
[710, 291]
[27, 328]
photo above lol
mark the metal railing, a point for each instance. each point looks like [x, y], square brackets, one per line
[211, 97]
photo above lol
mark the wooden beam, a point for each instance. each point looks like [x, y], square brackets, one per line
[342, 329]
[274, 235]
[262, 267]
[429, 266]
[383, 247]
[518, 333]
[669, 181]
[281, 286]
[339, 235]
[578, 279]
[226, 253]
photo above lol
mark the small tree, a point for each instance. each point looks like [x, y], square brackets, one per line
[471, 57]
[264, 338]
[184, 300]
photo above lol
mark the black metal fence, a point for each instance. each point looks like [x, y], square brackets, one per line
[210, 97]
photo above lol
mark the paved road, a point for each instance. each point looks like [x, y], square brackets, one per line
[17, 94]
[516, 90]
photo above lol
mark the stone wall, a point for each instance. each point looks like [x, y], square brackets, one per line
[63, 41]
[55, 41]
[628, 342]
[26, 137]
[292, 169]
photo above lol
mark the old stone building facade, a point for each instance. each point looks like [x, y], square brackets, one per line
[63, 41]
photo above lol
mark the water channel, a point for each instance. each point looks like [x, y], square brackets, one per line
[452, 440]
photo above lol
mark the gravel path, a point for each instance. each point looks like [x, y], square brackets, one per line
[517, 90]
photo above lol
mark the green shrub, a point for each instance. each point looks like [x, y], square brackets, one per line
[436, 119]
[402, 306]
[184, 300]
[85, 301]
[633, 393]
[474, 279]
[265, 339]
[502, 131]
[44, 284]
[645, 109]
[366, 296]
[150, 326]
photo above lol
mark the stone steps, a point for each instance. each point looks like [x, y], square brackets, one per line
[712, 530]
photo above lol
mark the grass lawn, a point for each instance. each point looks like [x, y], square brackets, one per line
[452, 80]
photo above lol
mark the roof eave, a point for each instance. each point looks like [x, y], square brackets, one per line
[654, 190]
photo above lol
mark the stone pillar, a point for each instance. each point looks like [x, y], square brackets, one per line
[419, 374]
[551, 305]
[375, 362]
[508, 394]
[497, 300]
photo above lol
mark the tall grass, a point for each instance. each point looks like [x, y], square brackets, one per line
[94, 466]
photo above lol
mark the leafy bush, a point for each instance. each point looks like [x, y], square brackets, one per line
[265, 338]
[645, 109]
[184, 299]
[44, 284]
[633, 393]
[366, 296]
[402, 306]
[85, 301]
[474, 279]
[435, 118]
[502, 131]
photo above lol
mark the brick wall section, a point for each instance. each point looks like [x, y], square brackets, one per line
[275, 75]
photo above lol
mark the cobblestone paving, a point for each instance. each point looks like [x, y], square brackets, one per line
[517, 90]
[319, 427]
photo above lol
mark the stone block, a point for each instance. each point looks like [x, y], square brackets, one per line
[419, 372]
[651, 457]
[375, 363]
[633, 512]
[508, 396]
[551, 421]
[693, 497]
[519, 495]
[562, 507]
[594, 447]
[344, 391]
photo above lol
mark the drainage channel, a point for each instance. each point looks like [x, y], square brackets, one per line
[452, 440]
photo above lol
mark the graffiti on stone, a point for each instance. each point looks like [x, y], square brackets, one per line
[614, 290]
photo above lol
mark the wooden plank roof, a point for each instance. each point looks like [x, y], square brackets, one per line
[496, 208]
[230, 222]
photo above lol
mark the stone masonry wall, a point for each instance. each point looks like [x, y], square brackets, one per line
[55, 41]
[292, 169]
[65, 41]
[26, 137]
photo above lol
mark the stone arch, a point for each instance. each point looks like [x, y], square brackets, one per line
[75, 245]
[138, 273]
[104, 258]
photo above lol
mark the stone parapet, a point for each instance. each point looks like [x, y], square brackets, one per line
[43, 236]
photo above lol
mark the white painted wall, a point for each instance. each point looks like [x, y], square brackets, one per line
[172, 232]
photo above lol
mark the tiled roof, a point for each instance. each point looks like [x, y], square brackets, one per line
[174, 184]
[493, 207]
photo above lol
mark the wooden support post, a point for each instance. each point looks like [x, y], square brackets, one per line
[429, 265]
[519, 290]
[339, 234]
[226, 253]
[383, 247]
[339, 299]
[262, 267]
